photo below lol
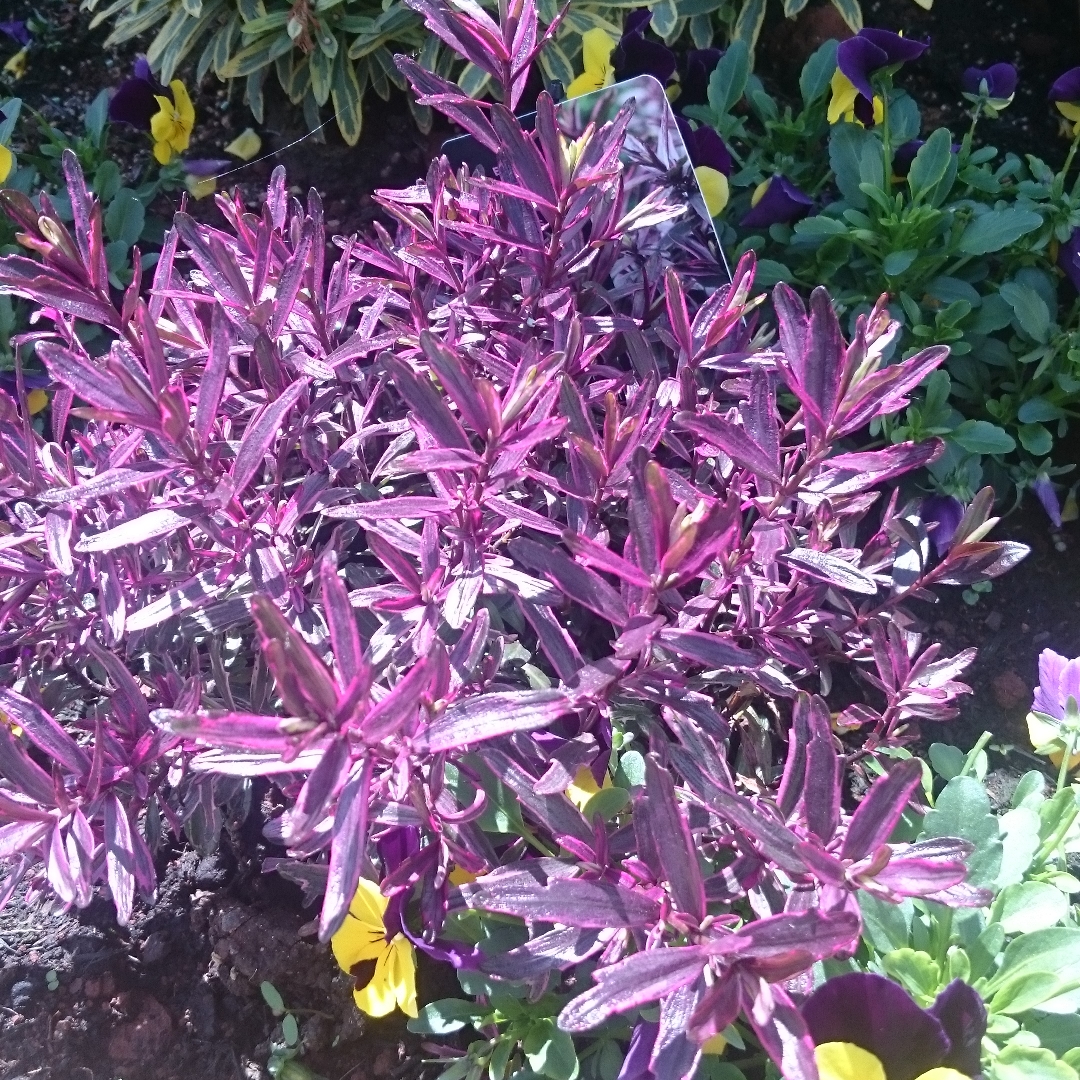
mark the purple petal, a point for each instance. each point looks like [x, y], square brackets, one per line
[1059, 679]
[1045, 493]
[637, 55]
[635, 1065]
[1069, 256]
[1067, 86]
[16, 30]
[637, 22]
[205, 166]
[1000, 80]
[700, 64]
[858, 58]
[878, 1015]
[133, 103]
[962, 1014]
[705, 147]
[782, 202]
[396, 845]
[899, 49]
[864, 111]
[946, 512]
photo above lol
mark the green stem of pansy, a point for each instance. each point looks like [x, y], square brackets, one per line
[886, 140]
[1055, 838]
[969, 761]
[1060, 178]
[1063, 769]
[969, 138]
[529, 836]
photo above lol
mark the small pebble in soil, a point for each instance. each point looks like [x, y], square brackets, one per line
[1010, 691]
[994, 621]
[22, 993]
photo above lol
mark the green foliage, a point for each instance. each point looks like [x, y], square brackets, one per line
[965, 245]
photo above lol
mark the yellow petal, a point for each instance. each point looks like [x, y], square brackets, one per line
[586, 84]
[846, 1061]
[7, 162]
[879, 109]
[36, 400]
[357, 941]
[200, 186]
[459, 877]
[941, 1074]
[402, 974]
[584, 786]
[1068, 109]
[16, 65]
[245, 146]
[162, 152]
[843, 97]
[759, 191]
[715, 1045]
[596, 49]
[185, 111]
[378, 997]
[163, 121]
[1070, 510]
[926, 5]
[369, 904]
[714, 186]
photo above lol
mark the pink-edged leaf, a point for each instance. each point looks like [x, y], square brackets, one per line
[194, 593]
[90, 382]
[573, 902]
[577, 582]
[152, 525]
[347, 850]
[490, 715]
[715, 651]
[405, 507]
[43, 731]
[873, 822]
[322, 785]
[825, 566]
[678, 316]
[920, 877]
[798, 938]
[398, 710]
[292, 277]
[260, 434]
[58, 529]
[20, 836]
[450, 459]
[16, 810]
[629, 984]
[886, 391]
[119, 858]
[734, 440]
[598, 557]
[776, 840]
[782, 1031]
[458, 380]
[212, 383]
[671, 834]
[341, 620]
[674, 1054]
[79, 844]
[847, 474]
[556, 950]
[58, 868]
[980, 561]
[24, 773]
[822, 786]
[106, 483]
[427, 405]
[233, 730]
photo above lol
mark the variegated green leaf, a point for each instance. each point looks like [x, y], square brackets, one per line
[748, 24]
[322, 75]
[193, 7]
[348, 100]
[251, 9]
[851, 13]
[327, 40]
[665, 18]
[702, 31]
[689, 8]
[248, 60]
[556, 64]
[473, 80]
[793, 7]
[253, 93]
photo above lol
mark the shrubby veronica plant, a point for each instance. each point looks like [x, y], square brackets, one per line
[514, 559]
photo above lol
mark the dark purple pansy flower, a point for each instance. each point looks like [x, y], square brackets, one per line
[1066, 88]
[638, 55]
[1059, 680]
[945, 513]
[705, 147]
[1000, 81]
[1047, 496]
[133, 103]
[16, 30]
[879, 1016]
[777, 201]
[871, 50]
[694, 81]
[961, 1012]
[1069, 258]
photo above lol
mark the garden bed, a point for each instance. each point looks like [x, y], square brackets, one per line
[177, 993]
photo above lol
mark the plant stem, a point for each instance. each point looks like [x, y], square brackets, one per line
[969, 761]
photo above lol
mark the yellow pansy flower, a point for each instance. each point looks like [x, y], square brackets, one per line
[200, 186]
[596, 49]
[460, 876]
[846, 1061]
[584, 786]
[714, 187]
[246, 145]
[1042, 733]
[842, 102]
[171, 126]
[7, 162]
[362, 937]
[36, 400]
[16, 65]
[714, 1045]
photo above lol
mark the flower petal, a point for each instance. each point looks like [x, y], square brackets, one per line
[846, 1061]
[402, 974]
[184, 109]
[1067, 86]
[369, 904]
[961, 1012]
[378, 998]
[714, 189]
[858, 58]
[880, 1016]
[245, 146]
[7, 162]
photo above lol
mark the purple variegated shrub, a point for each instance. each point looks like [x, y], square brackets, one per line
[420, 531]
